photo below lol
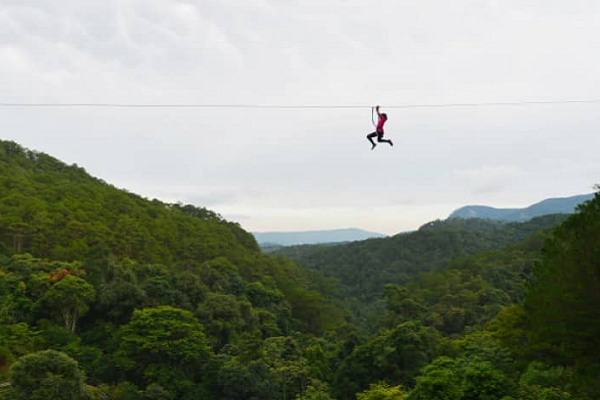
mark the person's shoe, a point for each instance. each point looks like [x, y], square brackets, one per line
[391, 143]
[373, 146]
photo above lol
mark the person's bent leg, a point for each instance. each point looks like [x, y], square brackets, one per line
[381, 139]
[370, 136]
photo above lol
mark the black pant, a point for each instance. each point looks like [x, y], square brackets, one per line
[380, 138]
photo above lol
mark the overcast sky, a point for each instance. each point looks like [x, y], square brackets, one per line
[300, 169]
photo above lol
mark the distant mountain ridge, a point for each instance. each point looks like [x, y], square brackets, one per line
[560, 205]
[314, 237]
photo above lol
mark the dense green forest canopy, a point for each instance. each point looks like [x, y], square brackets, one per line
[58, 211]
[80, 259]
[364, 267]
[107, 295]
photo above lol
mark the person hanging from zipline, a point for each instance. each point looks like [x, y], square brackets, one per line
[379, 129]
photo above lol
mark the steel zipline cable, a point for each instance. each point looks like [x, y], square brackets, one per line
[280, 106]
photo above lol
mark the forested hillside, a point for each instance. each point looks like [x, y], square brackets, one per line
[107, 295]
[60, 212]
[521, 322]
[86, 269]
[363, 268]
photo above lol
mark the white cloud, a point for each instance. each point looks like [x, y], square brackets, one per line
[264, 164]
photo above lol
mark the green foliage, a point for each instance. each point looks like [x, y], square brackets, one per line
[170, 301]
[439, 381]
[226, 316]
[365, 266]
[484, 347]
[156, 392]
[540, 374]
[481, 380]
[552, 394]
[57, 211]
[15, 341]
[471, 293]
[481, 369]
[46, 375]
[394, 356]
[125, 391]
[279, 367]
[382, 392]
[69, 298]
[511, 328]
[316, 390]
[285, 363]
[52, 336]
[90, 358]
[539, 393]
[468, 293]
[163, 337]
[562, 299]
[241, 379]
[311, 307]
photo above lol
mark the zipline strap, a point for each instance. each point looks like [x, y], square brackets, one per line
[373, 118]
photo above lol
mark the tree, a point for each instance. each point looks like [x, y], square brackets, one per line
[118, 298]
[19, 231]
[46, 375]
[224, 315]
[439, 381]
[381, 391]
[164, 345]
[156, 392]
[15, 340]
[562, 299]
[316, 390]
[482, 381]
[510, 327]
[540, 374]
[284, 359]
[395, 355]
[246, 380]
[125, 391]
[68, 297]
[481, 370]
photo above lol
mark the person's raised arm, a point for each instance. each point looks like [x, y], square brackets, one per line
[377, 109]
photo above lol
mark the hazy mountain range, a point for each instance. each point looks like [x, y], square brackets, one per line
[562, 205]
[313, 237]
